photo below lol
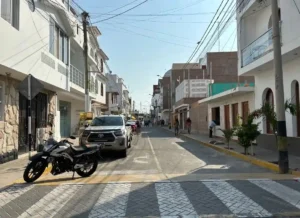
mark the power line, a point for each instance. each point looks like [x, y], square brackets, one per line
[201, 40]
[167, 34]
[121, 12]
[234, 30]
[150, 37]
[233, 42]
[163, 15]
[119, 8]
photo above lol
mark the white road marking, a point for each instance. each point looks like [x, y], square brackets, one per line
[236, 201]
[112, 202]
[142, 159]
[172, 200]
[51, 203]
[178, 146]
[281, 191]
[155, 158]
[13, 192]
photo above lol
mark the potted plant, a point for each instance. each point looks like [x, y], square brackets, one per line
[247, 133]
[228, 134]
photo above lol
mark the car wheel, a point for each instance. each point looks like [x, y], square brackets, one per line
[129, 143]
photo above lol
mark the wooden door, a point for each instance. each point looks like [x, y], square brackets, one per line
[245, 111]
[226, 117]
[235, 113]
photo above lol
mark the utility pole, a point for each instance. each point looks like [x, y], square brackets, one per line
[85, 55]
[283, 161]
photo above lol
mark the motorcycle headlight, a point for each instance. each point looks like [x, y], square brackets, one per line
[120, 132]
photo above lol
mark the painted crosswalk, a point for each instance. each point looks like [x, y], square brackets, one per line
[210, 198]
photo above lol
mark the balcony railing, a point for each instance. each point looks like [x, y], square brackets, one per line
[260, 47]
[76, 76]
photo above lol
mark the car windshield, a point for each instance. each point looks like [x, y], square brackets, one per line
[107, 121]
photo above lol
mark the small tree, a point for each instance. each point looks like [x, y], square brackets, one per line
[228, 134]
[267, 112]
[247, 133]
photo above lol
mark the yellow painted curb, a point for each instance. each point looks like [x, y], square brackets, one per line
[252, 160]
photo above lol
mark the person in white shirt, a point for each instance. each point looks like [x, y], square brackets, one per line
[211, 126]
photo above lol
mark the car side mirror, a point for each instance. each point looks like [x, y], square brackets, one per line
[86, 125]
[72, 137]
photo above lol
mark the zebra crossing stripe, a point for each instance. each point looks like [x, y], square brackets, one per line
[12, 193]
[172, 200]
[112, 202]
[236, 201]
[49, 205]
[281, 191]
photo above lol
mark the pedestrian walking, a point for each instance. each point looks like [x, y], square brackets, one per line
[211, 126]
[189, 124]
[176, 125]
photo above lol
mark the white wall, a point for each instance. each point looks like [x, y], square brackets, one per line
[265, 80]
[250, 97]
[198, 88]
[21, 49]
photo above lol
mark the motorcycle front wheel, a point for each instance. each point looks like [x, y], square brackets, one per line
[88, 170]
[34, 170]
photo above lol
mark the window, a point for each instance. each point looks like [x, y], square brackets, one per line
[112, 98]
[102, 89]
[10, 11]
[101, 67]
[215, 113]
[96, 87]
[59, 42]
[235, 114]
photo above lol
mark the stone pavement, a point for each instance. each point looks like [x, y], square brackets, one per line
[260, 153]
[206, 198]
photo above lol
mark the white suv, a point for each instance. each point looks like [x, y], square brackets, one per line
[109, 130]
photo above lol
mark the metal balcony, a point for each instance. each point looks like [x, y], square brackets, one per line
[76, 76]
[258, 48]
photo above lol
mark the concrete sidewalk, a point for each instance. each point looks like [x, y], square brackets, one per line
[262, 157]
[13, 170]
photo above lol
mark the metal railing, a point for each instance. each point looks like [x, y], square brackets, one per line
[260, 47]
[76, 76]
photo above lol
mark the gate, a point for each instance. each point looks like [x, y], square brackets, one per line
[38, 119]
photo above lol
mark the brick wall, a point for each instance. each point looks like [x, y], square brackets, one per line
[198, 115]
[165, 83]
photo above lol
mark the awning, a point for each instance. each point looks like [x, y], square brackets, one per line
[99, 104]
[227, 94]
[182, 106]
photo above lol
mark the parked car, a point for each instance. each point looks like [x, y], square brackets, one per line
[109, 130]
[132, 124]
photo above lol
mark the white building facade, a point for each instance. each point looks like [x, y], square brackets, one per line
[45, 39]
[255, 51]
[117, 96]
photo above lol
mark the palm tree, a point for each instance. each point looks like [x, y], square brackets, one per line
[228, 134]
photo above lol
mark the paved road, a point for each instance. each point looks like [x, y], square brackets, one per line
[162, 176]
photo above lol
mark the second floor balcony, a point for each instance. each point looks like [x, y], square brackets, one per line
[258, 48]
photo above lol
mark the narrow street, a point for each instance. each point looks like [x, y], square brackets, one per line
[162, 176]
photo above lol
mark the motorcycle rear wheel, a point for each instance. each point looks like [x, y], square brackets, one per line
[86, 173]
[36, 169]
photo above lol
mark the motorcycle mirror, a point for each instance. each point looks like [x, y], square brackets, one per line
[72, 137]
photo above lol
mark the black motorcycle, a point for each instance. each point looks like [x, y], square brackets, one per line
[64, 157]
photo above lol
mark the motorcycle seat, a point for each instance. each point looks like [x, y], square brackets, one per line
[83, 148]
